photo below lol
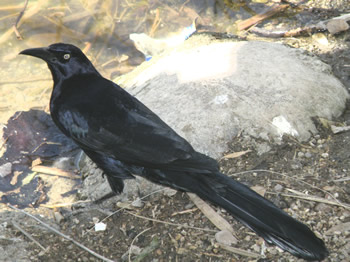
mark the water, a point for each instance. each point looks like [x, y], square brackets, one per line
[101, 29]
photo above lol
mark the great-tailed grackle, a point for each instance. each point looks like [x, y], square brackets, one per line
[125, 138]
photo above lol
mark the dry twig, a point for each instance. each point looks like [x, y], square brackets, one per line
[132, 242]
[293, 178]
[155, 24]
[19, 37]
[260, 17]
[58, 205]
[27, 235]
[240, 251]
[54, 171]
[184, 211]
[211, 214]
[171, 224]
[313, 198]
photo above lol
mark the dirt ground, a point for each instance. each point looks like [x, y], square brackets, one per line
[308, 180]
[317, 171]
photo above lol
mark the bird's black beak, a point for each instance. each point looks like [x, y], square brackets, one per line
[42, 52]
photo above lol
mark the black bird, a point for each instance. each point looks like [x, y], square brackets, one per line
[125, 138]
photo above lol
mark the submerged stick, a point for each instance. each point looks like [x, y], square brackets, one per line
[260, 17]
[19, 37]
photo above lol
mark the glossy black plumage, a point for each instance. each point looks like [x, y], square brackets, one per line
[124, 138]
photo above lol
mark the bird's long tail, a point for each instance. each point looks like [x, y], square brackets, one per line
[256, 212]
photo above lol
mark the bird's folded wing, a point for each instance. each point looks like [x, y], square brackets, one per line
[144, 141]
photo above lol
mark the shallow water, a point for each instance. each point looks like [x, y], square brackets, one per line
[101, 29]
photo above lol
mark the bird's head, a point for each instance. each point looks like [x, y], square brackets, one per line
[63, 60]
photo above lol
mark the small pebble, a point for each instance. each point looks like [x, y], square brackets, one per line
[58, 217]
[308, 155]
[225, 237]
[278, 188]
[189, 205]
[137, 203]
[256, 248]
[325, 155]
[169, 192]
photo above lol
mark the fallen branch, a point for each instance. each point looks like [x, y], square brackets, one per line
[261, 16]
[284, 33]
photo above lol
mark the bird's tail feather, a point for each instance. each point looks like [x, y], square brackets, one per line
[259, 214]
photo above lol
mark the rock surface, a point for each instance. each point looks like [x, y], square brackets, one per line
[209, 90]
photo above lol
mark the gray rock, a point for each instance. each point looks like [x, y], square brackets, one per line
[209, 90]
[308, 155]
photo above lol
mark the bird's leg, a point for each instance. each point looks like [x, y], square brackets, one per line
[105, 197]
[116, 185]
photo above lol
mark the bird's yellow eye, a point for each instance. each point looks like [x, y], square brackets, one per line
[66, 56]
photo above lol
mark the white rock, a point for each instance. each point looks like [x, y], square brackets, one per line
[100, 226]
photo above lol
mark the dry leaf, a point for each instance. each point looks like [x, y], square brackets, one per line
[28, 178]
[259, 189]
[36, 162]
[211, 214]
[236, 154]
[14, 179]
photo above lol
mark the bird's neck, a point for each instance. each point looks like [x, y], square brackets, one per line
[70, 86]
[63, 73]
